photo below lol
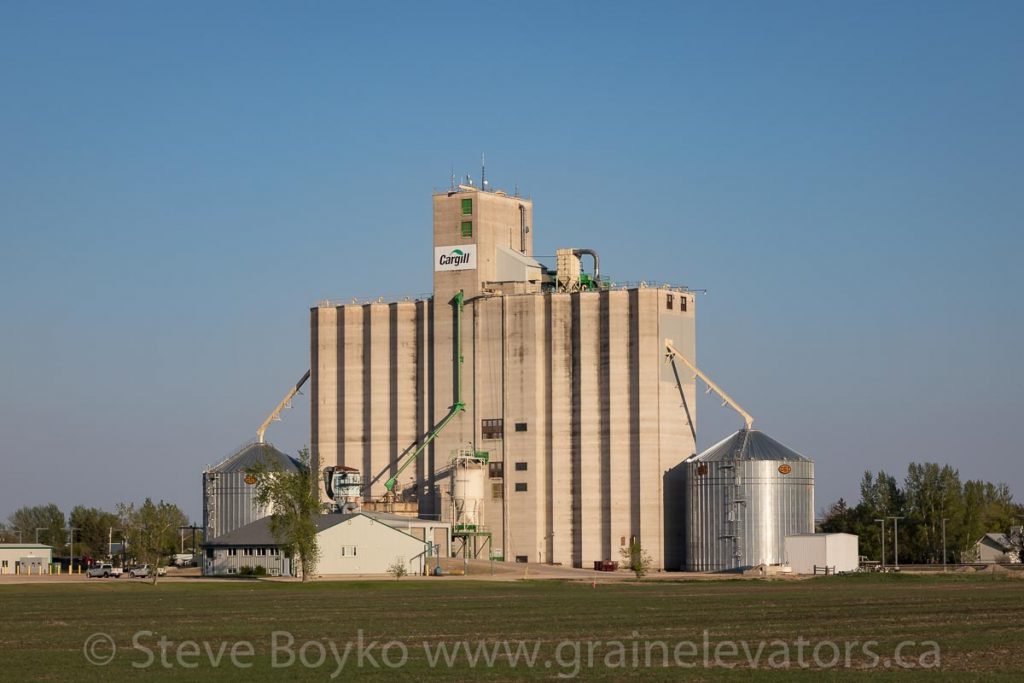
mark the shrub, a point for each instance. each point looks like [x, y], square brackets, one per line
[636, 559]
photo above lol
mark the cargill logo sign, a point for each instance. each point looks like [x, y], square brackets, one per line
[456, 258]
[462, 257]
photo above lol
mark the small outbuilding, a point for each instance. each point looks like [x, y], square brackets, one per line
[811, 553]
[25, 558]
[996, 549]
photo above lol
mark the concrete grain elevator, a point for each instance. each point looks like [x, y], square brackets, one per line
[532, 408]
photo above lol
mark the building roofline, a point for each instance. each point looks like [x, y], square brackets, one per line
[336, 519]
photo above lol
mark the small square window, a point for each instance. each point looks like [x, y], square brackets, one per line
[520, 487]
[467, 228]
[467, 207]
[522, 559]
[521, 467]
[520, 426]
[496, 470]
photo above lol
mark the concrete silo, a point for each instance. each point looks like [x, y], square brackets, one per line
[744, 495]
[559, 376]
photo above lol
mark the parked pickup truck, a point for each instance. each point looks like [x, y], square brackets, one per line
[143, 571]
[183, 560]
[103, 571]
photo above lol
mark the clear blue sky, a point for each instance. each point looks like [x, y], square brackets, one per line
[180, 182]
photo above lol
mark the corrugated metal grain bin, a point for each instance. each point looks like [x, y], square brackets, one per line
[229, 497]
[744, 495]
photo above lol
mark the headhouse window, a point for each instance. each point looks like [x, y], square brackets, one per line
[467, 207]
[493, 428]
[682, 303]
[668, 302]
[467, 228]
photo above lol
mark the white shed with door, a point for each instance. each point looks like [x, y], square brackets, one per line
[838, 552]
[360, 544]
[25, 558]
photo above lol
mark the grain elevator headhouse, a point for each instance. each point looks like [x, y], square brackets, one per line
[532, 406]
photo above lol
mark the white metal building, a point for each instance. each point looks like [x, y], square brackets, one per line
[357, 543]
[25, 558]
[839, 552]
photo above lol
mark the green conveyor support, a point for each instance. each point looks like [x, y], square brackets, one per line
[457, 407]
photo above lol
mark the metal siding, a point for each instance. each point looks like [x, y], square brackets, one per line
[775, 505]
[229, 503]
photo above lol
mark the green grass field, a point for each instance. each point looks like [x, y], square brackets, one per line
[977, 623]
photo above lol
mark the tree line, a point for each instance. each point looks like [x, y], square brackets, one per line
[929, 494]
[149, 532]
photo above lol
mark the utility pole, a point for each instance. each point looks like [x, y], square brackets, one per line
[38, 529]
[110, 541]
[896, 540]
[944, 520]
[194, 529]
[71, 550]
[881, 528]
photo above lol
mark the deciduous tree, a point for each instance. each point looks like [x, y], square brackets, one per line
[294, 501]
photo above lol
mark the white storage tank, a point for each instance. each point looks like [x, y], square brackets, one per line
[812, 553]
[469, 481]
[229, 496]
[744, 496]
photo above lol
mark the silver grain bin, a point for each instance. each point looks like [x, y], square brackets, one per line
[229, 497]
[744, 495]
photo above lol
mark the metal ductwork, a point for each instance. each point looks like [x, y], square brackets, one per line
[597, 261]
[523, 229]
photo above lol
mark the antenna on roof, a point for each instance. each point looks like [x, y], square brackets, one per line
[452, 186]
[483, 172]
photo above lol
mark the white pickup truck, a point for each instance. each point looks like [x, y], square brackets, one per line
[183, 560]
[103, 571]
[143, 571]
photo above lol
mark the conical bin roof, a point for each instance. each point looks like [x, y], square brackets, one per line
[250, 454]
[749, 445]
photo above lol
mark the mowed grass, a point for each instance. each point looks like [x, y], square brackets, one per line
[977, 621]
